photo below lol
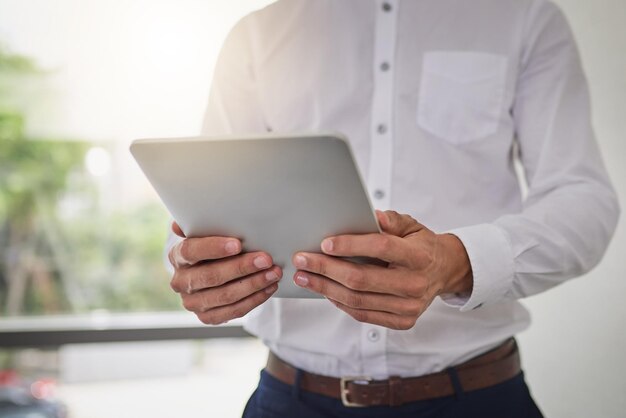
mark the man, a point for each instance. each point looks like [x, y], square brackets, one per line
[438, 97]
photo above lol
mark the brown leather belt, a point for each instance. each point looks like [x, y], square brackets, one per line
[491, 368]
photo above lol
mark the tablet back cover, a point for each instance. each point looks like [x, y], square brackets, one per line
[277, 194]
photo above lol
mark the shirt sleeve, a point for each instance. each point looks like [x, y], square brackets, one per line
[571, 210]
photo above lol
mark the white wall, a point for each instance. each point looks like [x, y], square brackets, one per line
[575, 351]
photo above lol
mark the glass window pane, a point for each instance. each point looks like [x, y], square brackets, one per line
[80, 227]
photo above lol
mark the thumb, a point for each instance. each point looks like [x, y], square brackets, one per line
[176, 229]
[396, 224]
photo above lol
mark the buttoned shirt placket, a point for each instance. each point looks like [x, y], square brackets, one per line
[381, 130]
[374, 338]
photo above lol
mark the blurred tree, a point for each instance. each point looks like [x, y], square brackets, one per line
[32, 175]
[53, 262]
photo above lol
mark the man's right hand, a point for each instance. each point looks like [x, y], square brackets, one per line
[216, 281]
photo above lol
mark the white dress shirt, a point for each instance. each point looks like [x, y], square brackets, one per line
[437, 98]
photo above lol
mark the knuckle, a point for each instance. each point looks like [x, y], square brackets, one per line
[407, 323]
[214, 317]
[260, 282]
[225, 297]
[354, 300]
[397, 324]
[238, 312]
[242, 269]
[203, 304]
[355, 278]
[425, 258]
[210, 276]
[320, 266]
[409, 224]
[383, 244]
[190, 288]
[188, 304]
[416, 288]
[421, 287]
[320, 286]
[359, 315]
[175, 283]
[171, 258]
[256, 282]
[207, 318]
[184, 250]
[412, 309]
[182, 283]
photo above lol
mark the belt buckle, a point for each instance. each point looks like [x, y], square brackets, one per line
[343, 387]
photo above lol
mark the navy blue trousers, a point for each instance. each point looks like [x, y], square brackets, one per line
[510, 399]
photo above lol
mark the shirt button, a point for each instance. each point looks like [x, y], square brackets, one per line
[384, 66]
[386, 7]
[382, 128]
[379, 194]
[373, 335]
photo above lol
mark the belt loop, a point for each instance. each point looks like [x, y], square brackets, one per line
[456, 383]
[395, 397]
[295, 388]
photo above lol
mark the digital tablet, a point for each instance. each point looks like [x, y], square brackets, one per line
[277, 193]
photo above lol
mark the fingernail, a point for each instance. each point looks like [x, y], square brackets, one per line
[261, 262]
[271, 289]
[271, 276]
[231, 247]
[327, 245]
[301, 280]
[300, 261]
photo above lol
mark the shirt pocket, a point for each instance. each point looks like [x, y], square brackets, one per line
[461, 95]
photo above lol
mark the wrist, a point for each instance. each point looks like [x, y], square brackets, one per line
[456, 269]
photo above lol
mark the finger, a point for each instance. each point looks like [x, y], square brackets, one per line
[383, 221]
[361, 277]
[384, 319]
[355, 299]
[218, 272]
[385, 247]
[396, 224]
[231, 292]
[193, 250]
[238, 309]
[176, 229]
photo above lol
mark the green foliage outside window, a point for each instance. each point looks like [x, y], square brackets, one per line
[59, 260]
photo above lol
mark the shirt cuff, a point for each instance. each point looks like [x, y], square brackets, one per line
[491, 258]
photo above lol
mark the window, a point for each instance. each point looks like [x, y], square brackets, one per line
[81, 231]
[80, 228]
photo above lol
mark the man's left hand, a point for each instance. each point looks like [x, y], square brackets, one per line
[421, 266]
